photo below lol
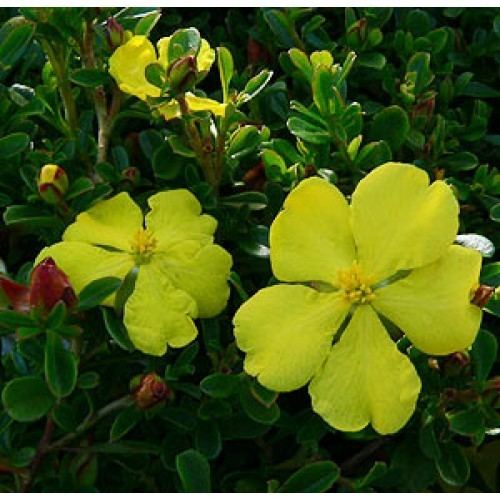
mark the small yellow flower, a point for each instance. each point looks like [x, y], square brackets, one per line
[182, 273]
[389, 254]
[128, 66]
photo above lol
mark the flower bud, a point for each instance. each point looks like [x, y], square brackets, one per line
[48, 286]
[482, 295]
[115, 34]
[132, 175]
[52, 184]
[151, 390]
[182, 74]
[15, 295]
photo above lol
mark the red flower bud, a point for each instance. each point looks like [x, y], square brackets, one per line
[115, 34]
[15, 295]
[482, 295]
[49, 285]
[151, 391]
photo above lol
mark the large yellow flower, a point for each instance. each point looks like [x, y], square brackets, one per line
[128, 65]
[389, 255]
[182, 274]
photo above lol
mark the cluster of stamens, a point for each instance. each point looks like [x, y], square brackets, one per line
[143, 244]
[355, 285]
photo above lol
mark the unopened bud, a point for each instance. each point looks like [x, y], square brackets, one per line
[482, 295]
[52, 183]
[150, 391]
[14, 295]
[115, 34]
[132, 175]
[182, 74]
[48, 286]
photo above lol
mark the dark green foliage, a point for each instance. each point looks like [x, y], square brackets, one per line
[415, 85]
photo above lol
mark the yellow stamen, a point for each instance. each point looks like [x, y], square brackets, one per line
[356, 286]
[143, 244]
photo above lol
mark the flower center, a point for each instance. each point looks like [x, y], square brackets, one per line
[355, 285]
[143, 245]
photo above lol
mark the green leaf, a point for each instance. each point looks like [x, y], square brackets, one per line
[480, 90]
[453, 466]
[428, 441]
[226, 70]
[88, 380]
[116, 329]
[61, 370]
[254, 200]
[420, 64]
[147, 23]
[466, 422]
[218, 385]
[373, 154]
[264, 414]
[13, 144]
[207, 439]
[78, 187]
[155, 74]
[391, 125]
[27, 399]
[495, 212]
[301, 61]
[182, 43]
[484, 354]
[28, 215]
[244, 141]
[281, 27]
[194, 472]
[274, 165]
[323, 93]
[317, 477]
[12, 47]
[90, 78]
[124, 422]
[308, 131]
[97, 291]
[461, 161]
[372, 60]
[13, 319]
[254, 86]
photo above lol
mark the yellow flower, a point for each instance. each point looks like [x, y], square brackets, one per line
[181, 274]
[389, 254]
[128, 65]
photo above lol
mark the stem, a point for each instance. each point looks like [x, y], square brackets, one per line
[57, 62]
[105, 116]
[92, 420]
[41, 450]
[193, 134]
[357, 459]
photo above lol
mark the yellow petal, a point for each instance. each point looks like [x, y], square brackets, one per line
[201, 270]
[84, 263]
[170, 110]
[205, 57]
[311, 238]
[399, 221]
[162, 46]
[128, 65]
[432, 304]
[286, 332]
[176, 216]
[196, 103]
[111, 223]
[365, 379]
[157, 314]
